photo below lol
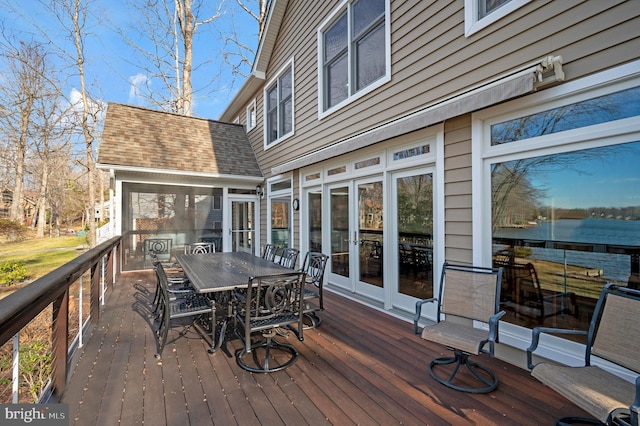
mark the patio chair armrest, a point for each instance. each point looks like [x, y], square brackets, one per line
[634, 410]
[181, 291]
[494, 320]
[535, 339]
[416, 318]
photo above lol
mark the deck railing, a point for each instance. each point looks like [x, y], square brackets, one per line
[63, 293]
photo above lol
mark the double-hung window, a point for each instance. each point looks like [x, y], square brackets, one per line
[481, 13]
[251, 115]
[353, 51]
[279, 106]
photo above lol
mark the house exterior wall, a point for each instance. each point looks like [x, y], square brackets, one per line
[433, 61]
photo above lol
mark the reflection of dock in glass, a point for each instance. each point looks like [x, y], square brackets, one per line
[555, 292]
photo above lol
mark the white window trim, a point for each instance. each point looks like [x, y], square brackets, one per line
[289, 64]
[483, 154]
[373, 86]
[251, 124]
[284, 193]
[471, 22]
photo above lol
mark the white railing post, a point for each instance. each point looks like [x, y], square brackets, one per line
[102, 288]
[80, 324]
[16, 369]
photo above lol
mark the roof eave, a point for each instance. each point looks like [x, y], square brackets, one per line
[261, 61]
[146, 170]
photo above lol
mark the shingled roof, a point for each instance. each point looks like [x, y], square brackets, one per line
[135, 137]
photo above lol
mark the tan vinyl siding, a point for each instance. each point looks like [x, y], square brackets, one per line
[457, 189]
[432, 59]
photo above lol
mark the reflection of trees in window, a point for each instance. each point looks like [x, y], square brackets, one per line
[415, 204]
[517, 200]
[614, 106]
[280, 214]
[370, 205]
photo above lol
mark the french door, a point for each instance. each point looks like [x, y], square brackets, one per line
[413, 209]
[243, 224]
[356, 232]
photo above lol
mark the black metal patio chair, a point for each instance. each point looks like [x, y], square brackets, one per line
[289, 257]
[200, 248]
[313, 266]
[270, 303]
[190, 305]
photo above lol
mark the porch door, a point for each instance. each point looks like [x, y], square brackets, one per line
[412, 206]
[355, 223]
[340, 235]
[368, 229]
[243, 225]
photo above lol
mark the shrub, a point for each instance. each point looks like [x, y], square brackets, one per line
[11, 230]
[12, 273]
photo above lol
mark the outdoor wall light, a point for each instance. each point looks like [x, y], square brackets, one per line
[259, 191]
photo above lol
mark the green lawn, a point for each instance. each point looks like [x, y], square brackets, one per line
[42, 255]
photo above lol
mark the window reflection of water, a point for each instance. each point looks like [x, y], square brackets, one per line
[591, 231]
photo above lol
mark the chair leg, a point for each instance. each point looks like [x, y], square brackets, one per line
[261, 354]
[479, 373]
[567, 421]
[312, 320]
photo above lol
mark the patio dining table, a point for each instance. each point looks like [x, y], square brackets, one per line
[218, 274]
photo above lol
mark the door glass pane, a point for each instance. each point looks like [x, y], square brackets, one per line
[340, 231]
[242, 226]
[415, 235]
[280, 222]
[315, 221]
[370, 232]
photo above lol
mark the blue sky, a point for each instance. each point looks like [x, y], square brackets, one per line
[613, 180]
[109, 69]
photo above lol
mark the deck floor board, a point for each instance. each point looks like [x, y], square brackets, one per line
[361, 366]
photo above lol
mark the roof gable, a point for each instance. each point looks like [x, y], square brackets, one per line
[135, 137]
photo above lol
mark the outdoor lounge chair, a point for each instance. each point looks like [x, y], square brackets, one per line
[467, 294]
[271, 302]
[613, 336]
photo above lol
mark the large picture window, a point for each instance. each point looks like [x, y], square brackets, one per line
[279, 104]
[354, 51]
[565, 218]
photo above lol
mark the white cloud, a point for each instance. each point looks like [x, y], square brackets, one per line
[139, 83]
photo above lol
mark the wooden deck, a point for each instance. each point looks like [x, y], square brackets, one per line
[361, 366]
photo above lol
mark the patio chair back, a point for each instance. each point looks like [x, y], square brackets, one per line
[616, 335]
[269, 252]
[289, 257]
[158, 249]
[469, 292]
[199, 248]
[270, 303]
